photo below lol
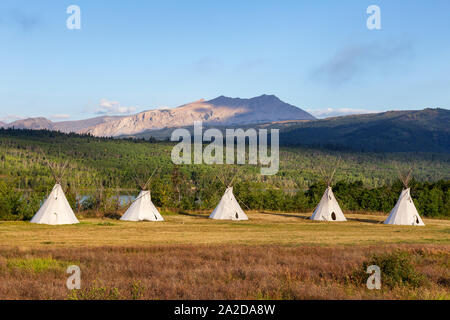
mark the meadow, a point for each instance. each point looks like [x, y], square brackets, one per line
[188, 256]
[101, 170]
[270, 228]
[277, 254]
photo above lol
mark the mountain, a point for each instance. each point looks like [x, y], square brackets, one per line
[31, 123]
[425, 130]
[403, 131]
[262, 109]
[63, 126]
[80, 125]
[165, 133]
[2, 124]
[219, 111]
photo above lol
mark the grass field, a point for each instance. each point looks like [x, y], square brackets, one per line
[196, 228]
[271, 256]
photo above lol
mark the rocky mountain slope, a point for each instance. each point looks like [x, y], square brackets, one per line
[63, 126]
[425, 130]
[219, 111]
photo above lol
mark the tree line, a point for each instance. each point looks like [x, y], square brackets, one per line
[102, 169]
[431, 199]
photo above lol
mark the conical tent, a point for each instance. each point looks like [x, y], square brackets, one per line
[55, 210]
[404, 212]
[142, 209]
[228, 208]
[328, 208]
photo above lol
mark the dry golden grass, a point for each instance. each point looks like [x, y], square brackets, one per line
[195, 228]
[271, 256]
[213, 272]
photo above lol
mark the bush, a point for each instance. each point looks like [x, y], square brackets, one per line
[396, 270]
[30, 204]
[88, 203]
[9, 202]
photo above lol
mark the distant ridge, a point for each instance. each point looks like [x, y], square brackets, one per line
[393, 131]
[63, 126]
[31, 123]
[220, 111]
[425, 130]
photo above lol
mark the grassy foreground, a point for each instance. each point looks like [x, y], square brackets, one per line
[196, 228]
[272, 256]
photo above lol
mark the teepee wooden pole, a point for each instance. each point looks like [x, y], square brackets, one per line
[150, 179]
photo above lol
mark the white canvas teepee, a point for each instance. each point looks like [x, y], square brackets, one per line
[142, 209]
[228, 208]
[328, 208]
[404, 212]
[55, 210]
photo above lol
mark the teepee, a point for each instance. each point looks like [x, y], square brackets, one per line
[404, 212]
[228, 207]
[56, 209]
[142, 208]
[328, 208]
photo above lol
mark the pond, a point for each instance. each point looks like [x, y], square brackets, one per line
[123, 199]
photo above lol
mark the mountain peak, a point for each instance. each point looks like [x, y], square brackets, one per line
[267, 96]
[221, 111]
[264, 108]
[224, 99]
[32, 123]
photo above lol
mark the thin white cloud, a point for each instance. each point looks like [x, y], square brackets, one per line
[113, 107]
[60, 116]
[356, 60]
[27, 22]
[336, 112]
[10, 118]
[207, 65]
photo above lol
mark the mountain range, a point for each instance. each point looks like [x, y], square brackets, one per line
[219, 111]
[425, 130]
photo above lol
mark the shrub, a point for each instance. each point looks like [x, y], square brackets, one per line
[396, 270]
[10, 201]
[95, 292]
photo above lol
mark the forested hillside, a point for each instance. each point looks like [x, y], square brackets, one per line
[101, 169]
[425, 130]
[394, 131]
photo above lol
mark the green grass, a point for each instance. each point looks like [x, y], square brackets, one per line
[36, 264]
[196, 229]
[106, 224]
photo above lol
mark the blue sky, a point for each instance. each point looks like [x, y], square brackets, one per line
[131, 56]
